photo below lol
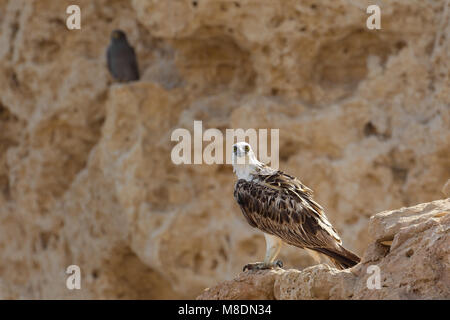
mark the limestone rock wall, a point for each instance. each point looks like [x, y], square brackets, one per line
[85, 170]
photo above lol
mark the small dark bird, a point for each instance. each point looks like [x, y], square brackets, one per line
[122, 62]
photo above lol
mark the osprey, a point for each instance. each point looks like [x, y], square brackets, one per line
[283, 208]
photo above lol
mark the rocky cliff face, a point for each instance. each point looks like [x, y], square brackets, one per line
[408, 254]
[85, 170]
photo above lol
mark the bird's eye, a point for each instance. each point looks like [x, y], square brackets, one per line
[235, 149]
[247, 149]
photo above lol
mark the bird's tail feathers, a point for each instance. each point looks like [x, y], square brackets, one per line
[341, 257]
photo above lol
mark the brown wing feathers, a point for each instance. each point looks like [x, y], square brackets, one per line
[281, 205]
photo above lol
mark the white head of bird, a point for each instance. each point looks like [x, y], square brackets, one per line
[244, 161]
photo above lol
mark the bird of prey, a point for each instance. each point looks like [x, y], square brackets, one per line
[283, 208]
[122, 62]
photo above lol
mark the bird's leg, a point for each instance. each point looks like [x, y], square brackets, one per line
[273, 246]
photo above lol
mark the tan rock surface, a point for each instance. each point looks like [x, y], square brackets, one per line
[85, 170]
[446, 188]
[415, 266]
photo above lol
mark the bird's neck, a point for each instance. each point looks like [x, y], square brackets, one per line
[248, 170]
[122, 42]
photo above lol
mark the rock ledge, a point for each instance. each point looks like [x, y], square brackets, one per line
[410, 246]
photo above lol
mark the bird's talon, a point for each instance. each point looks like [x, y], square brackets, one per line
[279, 263]
[262, 266]
[254, 266]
